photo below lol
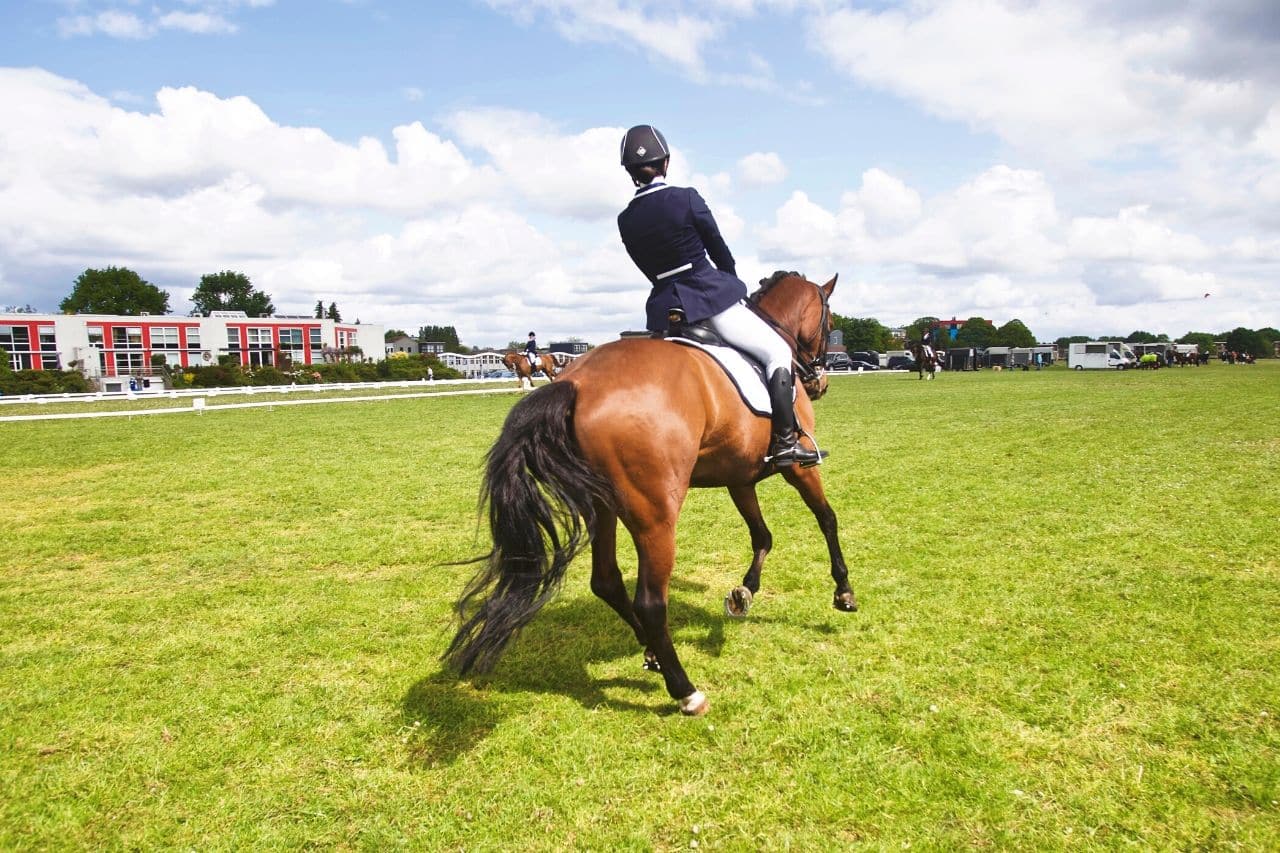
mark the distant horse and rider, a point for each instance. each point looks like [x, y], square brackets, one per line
[608, 443]
[926, 357]
[519, 364]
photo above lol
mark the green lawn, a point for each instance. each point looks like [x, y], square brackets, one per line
[224, 632]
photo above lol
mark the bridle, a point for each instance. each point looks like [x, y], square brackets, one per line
[809, 366]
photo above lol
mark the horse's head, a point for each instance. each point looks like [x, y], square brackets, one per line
[510, 360]
[800, 310]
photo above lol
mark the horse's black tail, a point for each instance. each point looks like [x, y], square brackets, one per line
[542, 498]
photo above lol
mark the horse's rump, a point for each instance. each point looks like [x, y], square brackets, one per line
[676, 404]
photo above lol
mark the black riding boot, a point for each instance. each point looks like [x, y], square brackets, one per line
[784, 449]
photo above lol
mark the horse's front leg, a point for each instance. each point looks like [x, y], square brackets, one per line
[738, 601]
[808, 482]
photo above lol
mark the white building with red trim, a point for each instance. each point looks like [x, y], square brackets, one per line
[104, 346]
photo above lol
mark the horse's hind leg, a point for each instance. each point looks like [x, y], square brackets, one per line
[738, 601]
[656, 549]
[808, 482]
[606, 579]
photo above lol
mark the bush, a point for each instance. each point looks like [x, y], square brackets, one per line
[216, 376]
[268, 375]
[43, 382]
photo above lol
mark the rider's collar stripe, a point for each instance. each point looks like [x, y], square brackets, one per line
[652, 188]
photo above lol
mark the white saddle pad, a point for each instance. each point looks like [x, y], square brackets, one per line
[747, 376]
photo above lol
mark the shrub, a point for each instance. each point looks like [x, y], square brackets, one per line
[43, 382]
[268, 375]
[217, 376]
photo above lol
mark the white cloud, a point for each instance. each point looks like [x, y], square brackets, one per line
[1131, 235]
[195, 22]
[667, 34]
[1045, 75]
[205, 17]
[122, 25]
[1002, 220]
[420, 231]
[761, 169]
[496, 220]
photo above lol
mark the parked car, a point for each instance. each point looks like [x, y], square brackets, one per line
[865, 360]
[839, 361]
[900, 362]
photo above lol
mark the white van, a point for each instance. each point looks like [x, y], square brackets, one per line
[1096, 355]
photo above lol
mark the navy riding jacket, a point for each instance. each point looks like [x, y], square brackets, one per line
[669, 232]
[531, 346]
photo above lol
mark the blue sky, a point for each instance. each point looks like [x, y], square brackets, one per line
[1084, 169]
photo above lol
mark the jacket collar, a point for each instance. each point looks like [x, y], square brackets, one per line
[651, 187]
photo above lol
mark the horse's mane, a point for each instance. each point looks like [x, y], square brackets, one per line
[767, 283]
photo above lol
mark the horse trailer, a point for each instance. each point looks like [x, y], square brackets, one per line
[1101, 355]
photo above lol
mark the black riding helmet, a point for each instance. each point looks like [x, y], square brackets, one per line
[643, 144]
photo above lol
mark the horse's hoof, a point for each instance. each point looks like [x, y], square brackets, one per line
[845, 602]
[737, 602]
[695, 704]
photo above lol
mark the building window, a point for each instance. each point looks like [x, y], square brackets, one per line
[128, 361]
[313, 336]
[164, 337]
[233, 339]
[126, 337]
[16, 340]
[291, 345]
[49, 348]
[259, 338]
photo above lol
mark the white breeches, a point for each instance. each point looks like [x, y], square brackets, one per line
[743, 329]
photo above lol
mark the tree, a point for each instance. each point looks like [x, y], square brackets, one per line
[447, 335]
[862, 333]
[917, 328]
[1203, 340]
[231, 291]
[1014, 334]
[319, 309]
[114, 290]
[1073, 339]
[1246, 340]
[976, 332]
[333, 313]
[1141, 337]
[391, 334]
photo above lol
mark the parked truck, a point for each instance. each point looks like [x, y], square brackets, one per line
[1095, 355]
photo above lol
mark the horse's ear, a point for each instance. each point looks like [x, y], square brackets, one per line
[831, 285]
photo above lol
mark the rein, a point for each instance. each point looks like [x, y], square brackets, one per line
[806, 368]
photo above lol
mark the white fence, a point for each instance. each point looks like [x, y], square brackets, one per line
[201, 397]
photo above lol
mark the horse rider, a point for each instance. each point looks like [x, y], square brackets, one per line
[531, 351]
[926, 343]
[669, 233]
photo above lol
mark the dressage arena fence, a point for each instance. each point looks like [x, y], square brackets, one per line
[201, 397]
[296, 395]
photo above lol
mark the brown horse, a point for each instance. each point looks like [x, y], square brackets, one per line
[517, 362]
[607, 443]
[926, 365]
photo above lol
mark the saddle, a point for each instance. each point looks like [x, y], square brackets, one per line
[745, 372]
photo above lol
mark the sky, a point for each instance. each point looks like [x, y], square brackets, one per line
[1087, 167]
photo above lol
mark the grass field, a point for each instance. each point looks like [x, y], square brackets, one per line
[224, 632]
